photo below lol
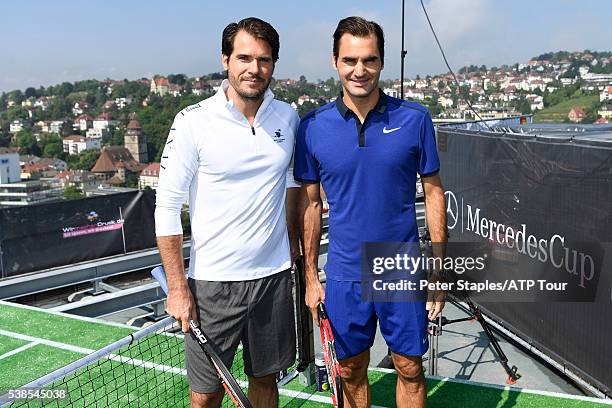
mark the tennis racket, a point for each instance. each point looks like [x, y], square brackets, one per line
[232, 388]
[331, 361]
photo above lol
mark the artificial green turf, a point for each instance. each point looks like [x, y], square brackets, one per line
[30, 364]
[59, 328]
[115, 384]
[8, 344]
[452, 394]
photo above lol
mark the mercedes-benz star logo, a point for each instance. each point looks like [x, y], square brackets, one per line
[452, 209]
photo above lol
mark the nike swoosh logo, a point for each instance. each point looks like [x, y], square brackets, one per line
[385, 130]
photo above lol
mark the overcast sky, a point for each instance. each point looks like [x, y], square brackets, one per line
[47, 42]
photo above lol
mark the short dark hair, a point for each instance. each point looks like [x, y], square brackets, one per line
[255, 27]
[359, 27]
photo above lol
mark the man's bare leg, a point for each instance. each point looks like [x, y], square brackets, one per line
[410, 391]
[263, 392]
[355, 380]
[207, 400]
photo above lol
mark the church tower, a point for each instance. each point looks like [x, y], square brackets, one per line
[136, 142]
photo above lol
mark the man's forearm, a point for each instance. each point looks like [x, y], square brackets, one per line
[312, 240]
[171, 252]
[436, 217]
[435, 213]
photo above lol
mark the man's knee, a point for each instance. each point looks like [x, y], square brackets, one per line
[267, 381]
[206, 400]
[409, 368]
[355, 369]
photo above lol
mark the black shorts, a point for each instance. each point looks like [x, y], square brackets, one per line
[257, 313]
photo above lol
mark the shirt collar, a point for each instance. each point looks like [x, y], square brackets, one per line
[221, 97]
[380, 107]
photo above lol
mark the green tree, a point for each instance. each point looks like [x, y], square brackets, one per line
[84, 160]
[178, 79]
[30, 92]
[27, 142]
[5, 138]
[131, 180]
[306, 107]
[53, 150]
[118, 137]
[15, 112]
[88, 159]
[72, 193]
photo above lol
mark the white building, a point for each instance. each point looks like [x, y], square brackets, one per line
[79, 108]
[536, 102]
[446, 101]
[149, 177]
[98, 133]
[75, 144]
[104, 121]
[83, 122]
[411, 93]
[56, 127]
[18, 124]
[606, 94]
[394, 93]
[10, 170]
[123, 102]
[43, 102]
[30, 192]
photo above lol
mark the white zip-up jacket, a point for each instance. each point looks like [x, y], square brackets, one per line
[235, 177]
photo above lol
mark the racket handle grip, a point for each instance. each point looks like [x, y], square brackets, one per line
[160, 276]
[321, 311]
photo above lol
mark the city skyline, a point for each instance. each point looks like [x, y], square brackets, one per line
[49, 43]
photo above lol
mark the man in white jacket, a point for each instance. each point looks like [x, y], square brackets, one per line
[230, 155]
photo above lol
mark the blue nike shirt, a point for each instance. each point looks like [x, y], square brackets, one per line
[368, 172]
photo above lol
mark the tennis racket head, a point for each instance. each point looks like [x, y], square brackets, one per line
[334, 371]
[231, 386]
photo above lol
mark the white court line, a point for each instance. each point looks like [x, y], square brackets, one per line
[18, 350]
[73, 317]
[507, 388]
[160, 367]
[46, 342]
[81, 350]
[285, 392]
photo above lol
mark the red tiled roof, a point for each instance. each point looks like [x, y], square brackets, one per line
[74, 175]
[104, 116]
[161, 81]
[75, 138]
[113, 157]
[38, 166]
[578, 111]
[84, 116]
[152, 170]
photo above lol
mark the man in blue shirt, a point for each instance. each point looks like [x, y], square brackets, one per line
[366, 149]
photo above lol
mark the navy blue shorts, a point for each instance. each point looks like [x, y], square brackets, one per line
[402, 324]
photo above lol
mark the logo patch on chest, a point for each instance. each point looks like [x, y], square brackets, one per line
[278, 136]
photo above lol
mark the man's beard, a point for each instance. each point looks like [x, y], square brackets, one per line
[235, 83]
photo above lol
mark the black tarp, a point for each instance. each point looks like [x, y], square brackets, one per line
[42, 236]
[557, 184]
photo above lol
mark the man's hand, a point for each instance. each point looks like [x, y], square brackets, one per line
[182, 307]
[435, 297]
[435, 306]
[315, 294]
